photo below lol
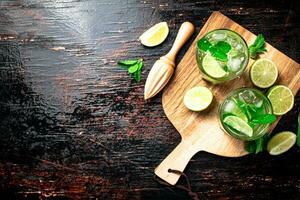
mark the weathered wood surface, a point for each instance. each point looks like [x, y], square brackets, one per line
[72, 125]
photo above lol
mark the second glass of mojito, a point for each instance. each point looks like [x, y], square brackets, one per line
[222, 55]
[246, 114]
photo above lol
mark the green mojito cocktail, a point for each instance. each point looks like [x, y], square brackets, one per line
[222, 55]
[246, 114]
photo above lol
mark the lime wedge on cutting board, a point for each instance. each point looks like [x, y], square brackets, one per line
[198, 98]
[281, 142]
[155, 35]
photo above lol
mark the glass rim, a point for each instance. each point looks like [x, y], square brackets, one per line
[243, 41]
[226, 29]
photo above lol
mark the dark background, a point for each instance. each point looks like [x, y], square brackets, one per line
[73, 125]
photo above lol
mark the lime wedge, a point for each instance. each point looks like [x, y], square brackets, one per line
[281, 142]
[231, 107]
[281, 98]
[198, 98]
[239, 125]
[263, 73]
[155, 35]
[212, 67]
[237, 112]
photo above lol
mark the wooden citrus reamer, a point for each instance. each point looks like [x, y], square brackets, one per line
[163, 68]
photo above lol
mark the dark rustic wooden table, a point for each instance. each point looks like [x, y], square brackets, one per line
[72, 124]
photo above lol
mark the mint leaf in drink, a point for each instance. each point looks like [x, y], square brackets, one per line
[134, 68]
[243, 107]
[264, 119]
[218, 53]
[204, 44]
[257, 47]
[219, 50]
[223, 46]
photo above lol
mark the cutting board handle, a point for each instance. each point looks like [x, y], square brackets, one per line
[178, 160]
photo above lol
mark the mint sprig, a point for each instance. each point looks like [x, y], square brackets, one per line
[257, 146]
[219, 50]
[134, 68]
[257, 47]
[264, 119]
[204, 44]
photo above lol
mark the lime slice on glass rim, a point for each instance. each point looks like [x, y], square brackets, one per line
[239, 125]
[263, 73]
[281, 142]
[198, 98]
[155, 35]
[212, 67]
[281, 98]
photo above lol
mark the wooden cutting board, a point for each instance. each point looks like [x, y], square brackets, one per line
[200, 131]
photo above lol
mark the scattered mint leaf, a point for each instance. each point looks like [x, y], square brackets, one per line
[204, 44]
[138, 75]
[128, 62]
[140, 65]
[264, 119]
[223, 46]
[134, 68]
[250, 146]
[257, 146]
[257, 47]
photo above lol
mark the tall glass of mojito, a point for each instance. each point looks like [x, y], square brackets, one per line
[222, 55]
[246, 114]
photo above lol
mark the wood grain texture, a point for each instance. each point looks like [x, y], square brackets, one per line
[72, 124]
[201, 131]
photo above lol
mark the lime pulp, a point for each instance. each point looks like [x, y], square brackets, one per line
[198, 98]
[281, 98]
[263, 73]
[239, 125]
[281, 142]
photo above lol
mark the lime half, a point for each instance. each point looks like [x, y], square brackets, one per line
[198, 98]
[212, 67]
[239, 125]
[263, 73]
[281, 98]
[155, 35]
[281, 142]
